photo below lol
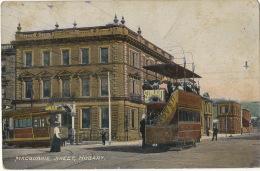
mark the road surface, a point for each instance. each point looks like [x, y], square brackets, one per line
[240, 151]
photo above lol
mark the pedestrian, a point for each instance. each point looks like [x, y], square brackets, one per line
[6, 131]
[142, 130]
[215, 133]
[207, 131]
[103, 136]
[56, 140]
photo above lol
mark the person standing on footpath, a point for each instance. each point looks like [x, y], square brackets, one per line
[142, 130]
[56, 140]
[215, 133]
[103, 136]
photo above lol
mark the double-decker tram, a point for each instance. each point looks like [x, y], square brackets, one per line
[173, 106]
[33, 127]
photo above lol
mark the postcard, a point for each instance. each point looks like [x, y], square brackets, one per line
[130, 84]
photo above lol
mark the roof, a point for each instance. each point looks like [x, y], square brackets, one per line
[29, 111]
[172, 70]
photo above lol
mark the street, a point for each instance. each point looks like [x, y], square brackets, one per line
[239, 151]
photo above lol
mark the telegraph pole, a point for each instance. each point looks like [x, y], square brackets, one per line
[109, 108]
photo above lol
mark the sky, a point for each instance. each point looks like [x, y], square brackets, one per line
[218, 36]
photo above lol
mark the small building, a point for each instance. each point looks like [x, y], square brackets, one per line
[246, 121]
[229, 116]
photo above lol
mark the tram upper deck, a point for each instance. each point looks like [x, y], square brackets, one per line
[173, 113]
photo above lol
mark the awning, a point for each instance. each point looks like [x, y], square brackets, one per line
[172, 70]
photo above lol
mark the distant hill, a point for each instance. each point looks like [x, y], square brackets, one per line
[253, 107]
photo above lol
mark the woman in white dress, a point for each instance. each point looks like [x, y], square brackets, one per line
[55, 146]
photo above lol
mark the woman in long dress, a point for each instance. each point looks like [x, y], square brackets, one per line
[55, 146]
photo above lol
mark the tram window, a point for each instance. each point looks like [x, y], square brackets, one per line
[35, 122]
[19, 123]
[16, 123]
[189, 116]
[29, 123]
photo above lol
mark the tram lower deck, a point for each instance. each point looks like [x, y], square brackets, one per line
[33, 127]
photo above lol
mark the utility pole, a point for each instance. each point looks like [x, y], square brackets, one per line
[241, 124]
[109, 108]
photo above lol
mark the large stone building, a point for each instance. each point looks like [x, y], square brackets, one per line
[8, 75]
[73, 67]
[229, 116]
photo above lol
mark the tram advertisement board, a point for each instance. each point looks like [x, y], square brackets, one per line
[154, 96]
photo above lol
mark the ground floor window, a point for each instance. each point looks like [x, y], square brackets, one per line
[104, 118]
[86, 118]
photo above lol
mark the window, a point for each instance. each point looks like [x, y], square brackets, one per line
[66, 88]
[28, 59]
[23, 123]
[3, 91]
[224, 109]
[134, 59]
[46, 88]
[189, 116]
[39, 122]
[104, 55]
[85, 118]
[65, 57]
[104, 86]
[84, 56]
[28, 89]
[3, 66]
[46, 58]
[104, 118]
[133, 118]
[85, 87]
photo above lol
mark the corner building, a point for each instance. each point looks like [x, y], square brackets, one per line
[73, 67]
[229, 116]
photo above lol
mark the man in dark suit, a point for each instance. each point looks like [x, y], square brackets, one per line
[142, 130]
[215, 133]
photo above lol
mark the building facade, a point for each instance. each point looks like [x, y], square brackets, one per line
[74, 67]
[229, 116]
[246, 121]
[206, 115]
[8, 75]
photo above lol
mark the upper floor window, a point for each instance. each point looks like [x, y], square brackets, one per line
[46, 88]
[65, 57]
[224, 109]
[66, 88]
[46, 58]
[86, 118]
[28, 59]
[104, 118]
[28, 89]
[135, 86]
[84, 56]
[134, 59]
[85, 87]
[3, 63]
[104, 55]
[104, 86]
